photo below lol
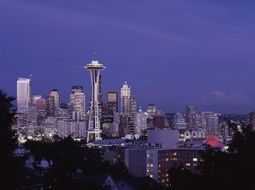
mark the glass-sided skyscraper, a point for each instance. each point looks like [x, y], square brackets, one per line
[23, 94]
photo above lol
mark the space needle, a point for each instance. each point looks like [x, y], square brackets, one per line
[94, 131]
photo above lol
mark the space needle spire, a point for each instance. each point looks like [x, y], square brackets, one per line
[94, 131]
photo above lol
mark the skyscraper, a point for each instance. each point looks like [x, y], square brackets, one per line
[41, 108]
[133, 112]
[212, 122]
[179, 121]
[77, 103]
[55, 94]
[94, 131]
[125, 99]
[140, 121]
[50, 106]
[112, 101]
[32, 114]
[191, 111]
[23, 94]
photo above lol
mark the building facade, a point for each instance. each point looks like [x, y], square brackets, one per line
[56, 95]
[77, 103]
[23, 94]
[125, 99]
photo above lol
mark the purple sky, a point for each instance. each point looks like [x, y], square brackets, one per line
[171, 52]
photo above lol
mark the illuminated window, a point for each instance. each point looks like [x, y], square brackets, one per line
[194, 159]
[151, 165]
[187, 164]
[151, 176]
[167, 159]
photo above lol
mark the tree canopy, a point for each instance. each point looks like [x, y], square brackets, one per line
[11, 167]
[231, 169]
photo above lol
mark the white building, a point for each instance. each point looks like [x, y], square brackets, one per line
[23, 94]
[77, 102]
[140, 121]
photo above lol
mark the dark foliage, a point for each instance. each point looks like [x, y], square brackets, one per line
[232, 169]
[66, 157]
[12, 168]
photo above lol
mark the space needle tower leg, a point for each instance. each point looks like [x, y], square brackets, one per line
[94, 131]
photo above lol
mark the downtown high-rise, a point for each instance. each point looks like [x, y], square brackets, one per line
[23, 94]
[55, 94]
[77, 103]
[125, 99]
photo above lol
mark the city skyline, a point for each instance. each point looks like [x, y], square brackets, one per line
[173, 54]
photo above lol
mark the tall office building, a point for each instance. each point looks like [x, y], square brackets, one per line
[32, 114]
[55, 94]
[179, 121]
[41, 105]
[190, 114]
[133, 105]
[212, 122]
[112, 101]
[50, 106]
[199, 120]
[133, 112]
[23, 94]
[94, 131]
[77, 103]
[41, 108]
[140, 121]
[125, 98]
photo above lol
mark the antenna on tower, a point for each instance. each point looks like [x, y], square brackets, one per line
[95, 55]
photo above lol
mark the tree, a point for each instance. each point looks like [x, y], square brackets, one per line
[231, 169]
[11, 170]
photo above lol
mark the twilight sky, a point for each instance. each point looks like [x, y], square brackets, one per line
[171, 52]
